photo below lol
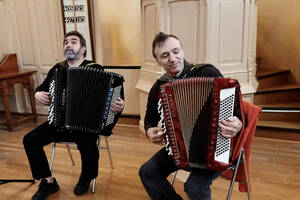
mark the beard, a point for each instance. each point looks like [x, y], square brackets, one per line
[70, 54]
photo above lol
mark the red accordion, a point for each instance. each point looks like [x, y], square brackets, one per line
[191, 110]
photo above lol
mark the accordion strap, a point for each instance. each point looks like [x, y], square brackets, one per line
[197, 69]
[197, 66]
[92, 64]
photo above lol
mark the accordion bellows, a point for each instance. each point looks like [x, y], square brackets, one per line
[191, 110]
[81, 99]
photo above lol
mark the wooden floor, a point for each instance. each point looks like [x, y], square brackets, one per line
[275, 168]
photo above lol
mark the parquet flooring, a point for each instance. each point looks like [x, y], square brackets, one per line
[275, 168]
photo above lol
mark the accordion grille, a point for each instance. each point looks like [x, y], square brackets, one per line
[189, 105]
[87, 104]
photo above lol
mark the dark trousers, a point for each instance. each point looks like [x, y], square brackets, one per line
[45, 134]
[154, 175]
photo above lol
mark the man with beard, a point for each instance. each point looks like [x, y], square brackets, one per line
[34, 141]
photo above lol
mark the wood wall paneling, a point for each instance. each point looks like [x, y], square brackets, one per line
[231, 24]
[46, 34]
[33, 32]
[24, 31]
[149, 25]
[180, 14]
[3, 30]
[96, 19]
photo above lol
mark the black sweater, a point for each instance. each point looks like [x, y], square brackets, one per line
[152, 117]
[46, 83]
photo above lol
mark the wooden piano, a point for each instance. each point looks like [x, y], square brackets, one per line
[9, 76]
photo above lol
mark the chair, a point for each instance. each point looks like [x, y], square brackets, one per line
[69, 144]
[241, 154]
[173, 178]
[234, 167]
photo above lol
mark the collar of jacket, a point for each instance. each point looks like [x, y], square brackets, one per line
[165, 77]
[65, 64]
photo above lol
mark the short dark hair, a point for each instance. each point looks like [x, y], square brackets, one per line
[161, 37]
[81, 38]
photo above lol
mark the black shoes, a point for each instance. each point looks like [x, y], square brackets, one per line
[82, 186]
[45, 189]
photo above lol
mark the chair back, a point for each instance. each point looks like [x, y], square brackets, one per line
[245, 141]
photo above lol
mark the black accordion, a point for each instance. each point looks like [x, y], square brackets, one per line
[191, 110]
[81, 98]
